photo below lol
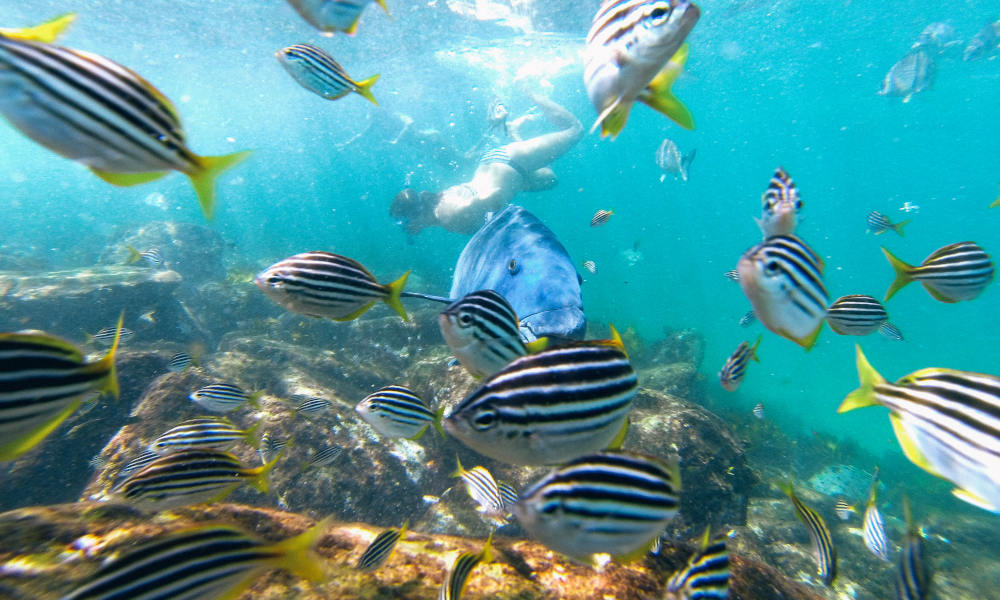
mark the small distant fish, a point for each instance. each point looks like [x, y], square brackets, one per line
[507, 493]
[148, 317]
[483, 488]
[983, 43]
[106, 336]
[313, 405]
[842, 481]
[46, 32]
[579, 405]
[874, 528]
[844, 510]
[748, 319]
[325, 285]
[936, 37]
[43, 380]
[591, 266]
[601, 217]
[909, 207]
[670, 160]
[397, 411]
[204, 561]
[324, 456]
[381, 548]
[482, 330]
[758, 410]
[783, 279]
[329, 16]
[213, 433]
[151, 256]
[890, 331]
[610, 502]
[458, 575]
[635, 51]
[735, 369]
[706, 574]
[223, 397]
[912, 578]
[732, 275]
[270, 446]
[945, 421]
[780, 206]
[315, 70]
[179, 362]
[189, 477]
[879, 224]
[826, 554]
[104, 115]
[953, 273]
[857, 314]
[911, 75]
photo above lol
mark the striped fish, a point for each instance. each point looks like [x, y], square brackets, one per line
[210, 432]
[507, 493]
[591, 266]
[748, 319]
[329, 16]
[635, 51]
[781, 206]
[106, 336]
[735, 369]
[43, 380]
[890, 331]
[270, 446]
[946, 423]
[189, 477]
[549, 407]
[879, 224]
[381, 548]
[732, 275]
[207, 561]
[953, 273]
[483, 488]
[857, 314]
[912, 578]
[874, 529]
[826, 554]
[843, 509]
[313, 405]
[179, 362]
[325, 285]
[152, 256]
[46, 32]
[223, 397]
[324, 456]
[314, 69]
[95, 111]
[601, 217]
[458, 575]
[397, 411]
[609, 502]
[758, 410]
[136, 464]
[783, 279]
[483, 332]
[706, 574]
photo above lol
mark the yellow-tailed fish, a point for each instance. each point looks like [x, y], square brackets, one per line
[330, 16]
[46, 32]
[314, 69]
[953, 273]
[780, 206]
[826, 553]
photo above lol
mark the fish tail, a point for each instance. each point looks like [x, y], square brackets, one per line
[486, 554]
[259, 474]
[788, 489]
[659, 97]
[753, 349]
[384, 7]
[364, 88]
[995, 203]
[616, 339]
[395, 288]
[109, 383]
[253, 398]
[46, 32]
[296, 556]
[865, 394]
[903, 276]
[209, 169]
[133, 256]
[458, 470]
[9, 450]
[250, 435]
[438, 415]
[898, 227]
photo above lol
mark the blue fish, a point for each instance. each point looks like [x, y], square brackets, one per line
[517, 256]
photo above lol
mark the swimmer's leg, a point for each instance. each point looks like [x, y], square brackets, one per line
[537, 152]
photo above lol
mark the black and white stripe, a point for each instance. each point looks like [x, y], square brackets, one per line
[890, 331]
[879, 224]
[179, 362]
[706, 574]
[396, 411]
[790, 257]
[826, 553]
[955, 272]
[220, 397]
[313, 405]
[325, 455]
[106, 336]
[213, 433]
[856, 314]
[316, 70]
[735, 368]
[912, 577]
[874, 532]
[482, 330]
[324, 284]
[459, 573]
[483, 488]
[780, 191]
[380, 549]
[507, 493]
[616, 19]
[600, 217]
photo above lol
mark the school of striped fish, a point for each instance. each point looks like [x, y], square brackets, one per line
[562, 405]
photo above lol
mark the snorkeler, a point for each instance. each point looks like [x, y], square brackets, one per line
[503, 171]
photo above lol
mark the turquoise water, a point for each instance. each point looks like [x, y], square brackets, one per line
[769, 83]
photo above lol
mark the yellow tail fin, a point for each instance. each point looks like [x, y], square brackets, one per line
[109, 383]
[658, 95]
[295, 555]
[865, 394]
[903, 274]
[133, 256]
[258, 475]
[753, 349]
[393, 299]
[9, 450]
[46, 32]
[204, 180]
[898, 227]
[364, 88]
[250, 434]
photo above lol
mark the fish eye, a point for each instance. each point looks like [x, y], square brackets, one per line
[798, 205]
[485, 419]
[465, 319]
[512, 267]
[771, 267]
[659, 14]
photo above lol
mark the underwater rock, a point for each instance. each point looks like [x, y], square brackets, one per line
[194, 251]
[46, 552]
